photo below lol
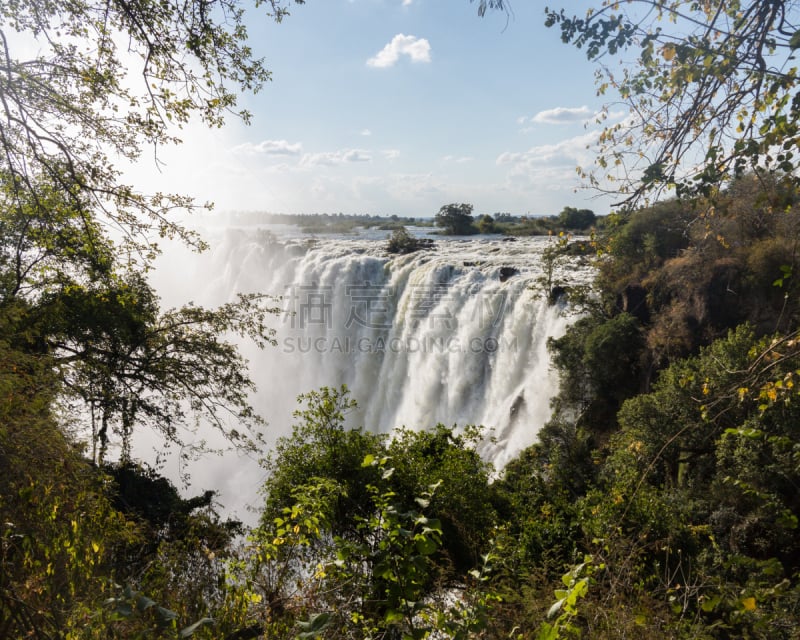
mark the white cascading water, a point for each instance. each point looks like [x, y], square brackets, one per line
[455, 335]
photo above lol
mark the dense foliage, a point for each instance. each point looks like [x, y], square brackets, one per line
[401, 241]
[456, 219]
[86, 353]
[672, 457]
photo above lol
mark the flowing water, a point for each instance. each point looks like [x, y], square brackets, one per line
[455, 335]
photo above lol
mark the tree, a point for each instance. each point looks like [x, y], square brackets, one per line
[64, 293]
[463, 498]
[375, 584]
[365, 549]
[483, 5]
[140, 71]
[455, 219]
[712, 93]
[401, 241]
[572, 218]
[66, 289]
[486, 224]
[320, 446]
[58, 533]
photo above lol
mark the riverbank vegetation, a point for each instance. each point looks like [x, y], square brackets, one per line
[452, 219]
[671, 457]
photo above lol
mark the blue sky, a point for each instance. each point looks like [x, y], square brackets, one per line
[398, 107]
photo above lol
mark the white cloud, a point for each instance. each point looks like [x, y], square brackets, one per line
[418, 49]
[568, 115]
[550, 169]
[391, 154]
[616, 115]
[334, 158]
[408, 3]
[560, 115]
[323, 158]
[366, 132]
[458, 159]
[356, 155]
[572, 151]
[270, 147]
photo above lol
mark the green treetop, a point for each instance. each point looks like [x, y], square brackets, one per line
[711, 92]
[455, 219]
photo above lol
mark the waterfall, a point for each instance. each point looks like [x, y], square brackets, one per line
[455, 335]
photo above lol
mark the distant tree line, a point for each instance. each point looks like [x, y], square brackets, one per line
[457, 219]
[452, 219]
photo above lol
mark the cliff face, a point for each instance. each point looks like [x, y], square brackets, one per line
[691, 272]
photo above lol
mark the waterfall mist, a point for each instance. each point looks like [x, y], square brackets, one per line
[455, 335]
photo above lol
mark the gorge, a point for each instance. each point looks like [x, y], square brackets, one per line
[453, 335]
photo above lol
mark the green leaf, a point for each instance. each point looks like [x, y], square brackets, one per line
[383, 570]
[547, 632]
[745, 432]
[709, 604]
[794, 42]
[165, 616]
[188, 631]
[312, 627]
[552, 611]
[393, 617]
[434, 524]
[425, 546]
[143, 603]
